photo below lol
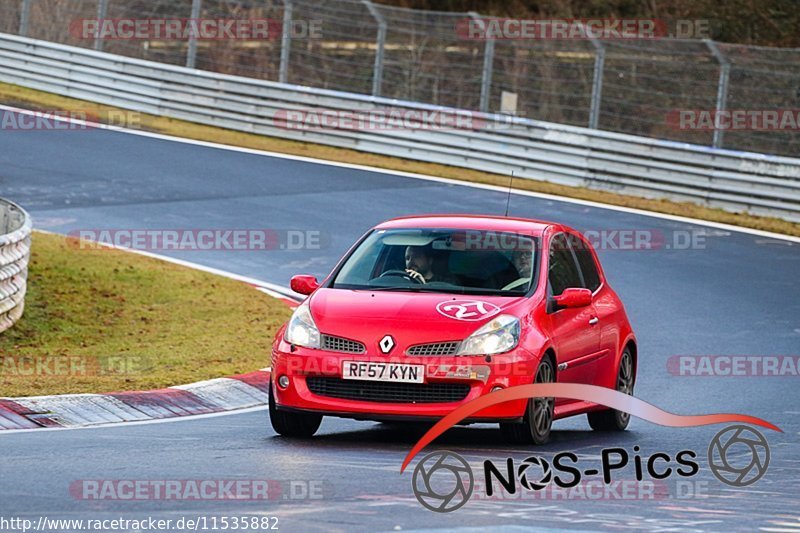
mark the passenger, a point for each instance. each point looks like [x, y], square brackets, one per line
[523, 262]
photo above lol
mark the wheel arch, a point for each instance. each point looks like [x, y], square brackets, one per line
[630, 343]
[550, 353]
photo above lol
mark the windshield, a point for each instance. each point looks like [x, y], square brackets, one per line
[441, 260]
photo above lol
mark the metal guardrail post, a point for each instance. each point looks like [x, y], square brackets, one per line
[380, 46]
[286, 41]
[597, 80]
[488, 66]
[722, 89]
[191, 55]
[102, 9]
[24, 17]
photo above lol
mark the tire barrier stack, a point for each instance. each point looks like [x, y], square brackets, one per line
[15, 252]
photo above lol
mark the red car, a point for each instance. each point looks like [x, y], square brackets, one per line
[426, 313]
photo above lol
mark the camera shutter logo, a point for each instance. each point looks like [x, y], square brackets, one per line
[443, 482]
[527, 475]
[725, 459]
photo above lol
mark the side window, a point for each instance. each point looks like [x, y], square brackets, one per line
[591, 277]
[563, 271]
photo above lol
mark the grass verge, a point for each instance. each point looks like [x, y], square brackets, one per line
[101, 320]
[24, 97]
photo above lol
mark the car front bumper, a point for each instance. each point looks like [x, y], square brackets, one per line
[475, 375]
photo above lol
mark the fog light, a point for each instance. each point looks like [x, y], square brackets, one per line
[283, 382]
[496, 388]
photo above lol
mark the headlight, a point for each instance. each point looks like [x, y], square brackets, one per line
[497, 336]
[301, 330]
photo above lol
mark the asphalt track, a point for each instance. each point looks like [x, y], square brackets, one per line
[738, 294]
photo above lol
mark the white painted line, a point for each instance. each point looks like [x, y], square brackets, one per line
[270, 292]
[496, 188]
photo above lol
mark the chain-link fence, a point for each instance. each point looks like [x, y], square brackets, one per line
[635, 86]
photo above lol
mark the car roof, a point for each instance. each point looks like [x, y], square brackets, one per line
[473, 222]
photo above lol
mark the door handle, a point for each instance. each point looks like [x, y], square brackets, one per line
[594, 320]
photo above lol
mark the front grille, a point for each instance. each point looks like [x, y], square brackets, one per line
[339, 344]
[381, 391]
[436, 348]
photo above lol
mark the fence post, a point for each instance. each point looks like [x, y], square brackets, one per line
[488, 65]
[380, 45]
[24, 15]
[102, 9]
[286, 42]
[722, 89]
[597, 79]
[191, 56]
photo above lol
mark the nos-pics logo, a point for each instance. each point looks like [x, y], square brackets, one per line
[444, 482]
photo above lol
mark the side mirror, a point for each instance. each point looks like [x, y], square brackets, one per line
[574, 298]
[304, 284]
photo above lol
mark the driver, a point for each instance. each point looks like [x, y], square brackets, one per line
[523, 262]
[420, 265]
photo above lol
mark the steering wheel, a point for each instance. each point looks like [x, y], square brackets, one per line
[401, 274]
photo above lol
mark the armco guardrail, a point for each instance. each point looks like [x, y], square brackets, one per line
[15, 248]
[737, 181]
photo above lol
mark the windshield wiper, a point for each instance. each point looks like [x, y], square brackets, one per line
[442, 290]
[390, 288]
[424, 288]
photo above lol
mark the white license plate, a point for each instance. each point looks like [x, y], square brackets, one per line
[394, 372]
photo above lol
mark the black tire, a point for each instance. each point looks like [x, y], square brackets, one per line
[538, 419]
[292, 424]
[611, 419]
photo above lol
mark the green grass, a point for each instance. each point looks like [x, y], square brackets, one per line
[120, 321]
[24, 97]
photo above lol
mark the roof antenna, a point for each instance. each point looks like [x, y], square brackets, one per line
[510, 185]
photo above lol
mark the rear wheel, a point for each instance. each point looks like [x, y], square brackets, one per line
[611, 419]
[292, 424]
[538, 418]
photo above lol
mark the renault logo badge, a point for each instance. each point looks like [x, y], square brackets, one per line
[386, 344]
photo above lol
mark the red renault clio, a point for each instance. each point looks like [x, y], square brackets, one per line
[426, 313]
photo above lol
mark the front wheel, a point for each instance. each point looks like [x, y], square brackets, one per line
[292, 424]
[538, 419]
[611, 419]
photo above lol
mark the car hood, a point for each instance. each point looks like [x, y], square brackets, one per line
[409, 317]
